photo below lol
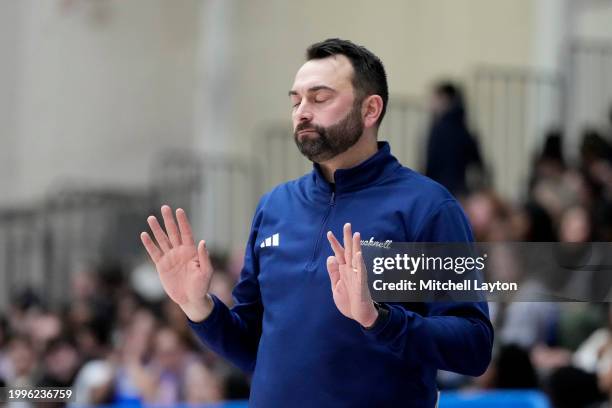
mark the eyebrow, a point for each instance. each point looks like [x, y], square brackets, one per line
[313, 89]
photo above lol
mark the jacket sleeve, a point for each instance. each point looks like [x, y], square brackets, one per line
[234, 333]
[455, 336]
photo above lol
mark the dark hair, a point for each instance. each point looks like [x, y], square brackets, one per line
[450, 91]
[369, 78]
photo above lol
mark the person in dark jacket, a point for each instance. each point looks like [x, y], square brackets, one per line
[303, 320]
[452, 151]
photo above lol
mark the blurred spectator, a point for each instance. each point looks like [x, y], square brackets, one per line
[171, 367]
[235, 263]
[575, 225]
[202, 385]
[42, 328]
[609, 130]
[93, 384]
[176, 319]
[595, 354]
[221, 286]
[570, 387]
[594, 147]
[588, 282]
[132, 382]
[128, 303]
[5, 364]
[146, 284]
[452, 151]
[23, 363]
[60, 363]
[527, 324]
[550, 162]
[531, 223]
[556, 195]
[520, 323]
[488, 215]
[513, 369]
[23, 305]
[596, 164]
[93, 339]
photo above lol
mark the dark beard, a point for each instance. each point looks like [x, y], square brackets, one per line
[331, 140]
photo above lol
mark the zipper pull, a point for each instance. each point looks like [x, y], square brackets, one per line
[333, 197]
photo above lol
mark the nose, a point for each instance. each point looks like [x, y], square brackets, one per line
[303, 113]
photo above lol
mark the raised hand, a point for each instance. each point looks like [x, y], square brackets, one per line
[349, 281]
[184, 270]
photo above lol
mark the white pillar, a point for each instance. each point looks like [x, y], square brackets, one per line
[215, 82]
[213, 100]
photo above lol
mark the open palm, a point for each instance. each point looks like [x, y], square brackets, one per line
[184, 270]
[340, 290]
[349, 280]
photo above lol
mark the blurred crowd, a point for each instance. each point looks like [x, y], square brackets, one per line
[119, 339]
[564, 349]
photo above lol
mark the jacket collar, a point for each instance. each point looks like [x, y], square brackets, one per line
[368, 172]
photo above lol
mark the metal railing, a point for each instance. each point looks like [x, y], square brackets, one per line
[40, 247]
[218, 192]
[404, 127]
[588, 88]
[512, 109]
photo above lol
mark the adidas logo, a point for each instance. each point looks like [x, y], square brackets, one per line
[270, 241]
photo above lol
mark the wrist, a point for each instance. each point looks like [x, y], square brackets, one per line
[382, 315]
[371, 317]
[199, 311]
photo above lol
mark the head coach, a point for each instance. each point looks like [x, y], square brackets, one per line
[301, 321]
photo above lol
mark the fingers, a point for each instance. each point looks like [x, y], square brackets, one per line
[359, 268]
[176, 236]
[203, 257]
[171, 228]
[160, 235]
[356, 248]
[154, 252]
[348, 244]
[362, 278]
[334, 271]
[336, 247]
[185, 228]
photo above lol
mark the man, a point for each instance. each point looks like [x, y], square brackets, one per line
[302, 320]
[452, 152]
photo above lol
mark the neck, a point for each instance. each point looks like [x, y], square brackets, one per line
[365, 148]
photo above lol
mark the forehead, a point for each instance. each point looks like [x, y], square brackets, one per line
[334, 71]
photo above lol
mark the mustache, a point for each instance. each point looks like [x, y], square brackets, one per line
[308, 126]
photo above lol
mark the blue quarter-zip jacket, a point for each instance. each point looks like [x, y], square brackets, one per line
[285, 327]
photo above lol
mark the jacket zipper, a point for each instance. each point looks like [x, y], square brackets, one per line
[332, 203]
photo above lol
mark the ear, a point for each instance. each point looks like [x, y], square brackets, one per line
[371, 109]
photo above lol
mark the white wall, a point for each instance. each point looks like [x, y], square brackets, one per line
[590, 97]
[593, 20]
[418, 41]
[98, 87]
[101, 86]
[9, 75]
